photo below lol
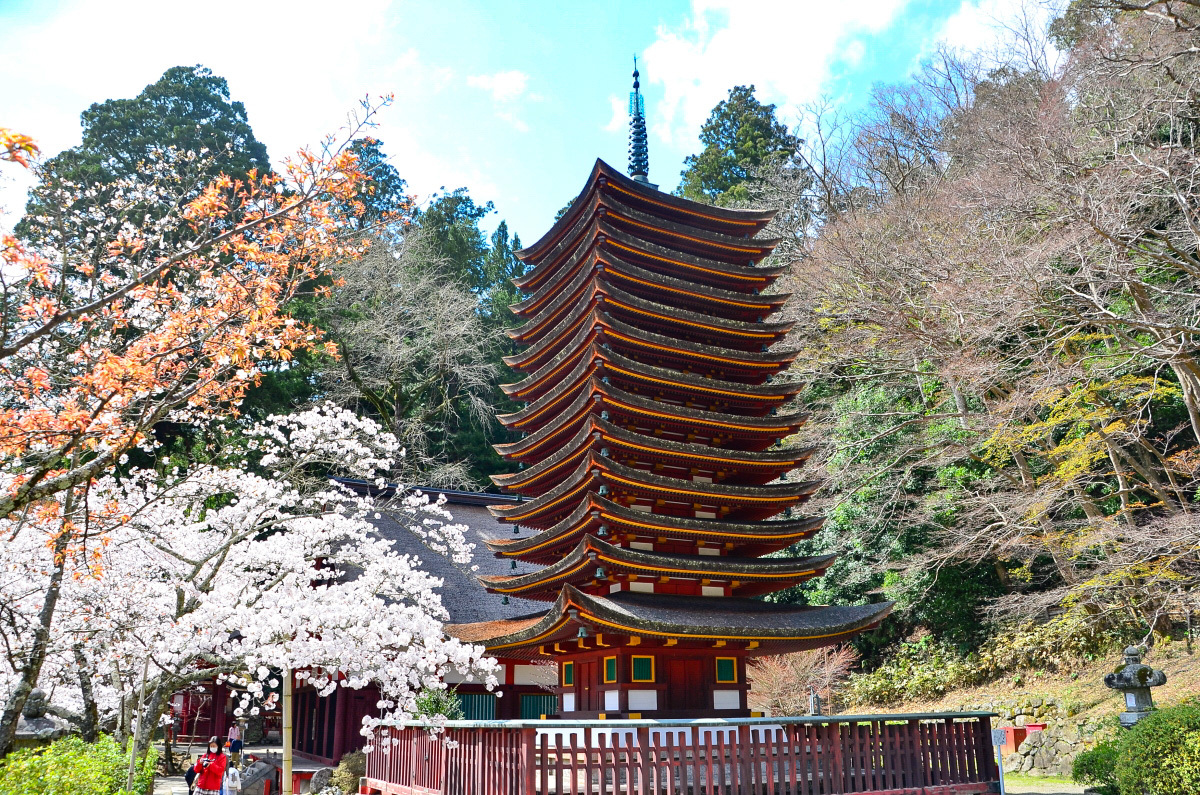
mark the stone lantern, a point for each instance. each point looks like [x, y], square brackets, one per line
[35, 727]
[1135, 680]
[814, 701]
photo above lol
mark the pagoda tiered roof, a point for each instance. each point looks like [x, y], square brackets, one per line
[638, 486]
[660, 318]
[654, 462]
[653, 349]
[605, 266]
[653, 417]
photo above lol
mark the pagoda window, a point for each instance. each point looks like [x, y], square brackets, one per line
[568, 674]
[712, 590]
[726, 670]
[642, 669]
[708, 551]
[705, 515]
[642, 587]
[610, 670]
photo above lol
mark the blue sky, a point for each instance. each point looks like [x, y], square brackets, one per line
[513, 100]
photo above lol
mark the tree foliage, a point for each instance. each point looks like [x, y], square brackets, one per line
[381, 197]
[188, 109]
[741, 136]
[414, 352]
[996, 289]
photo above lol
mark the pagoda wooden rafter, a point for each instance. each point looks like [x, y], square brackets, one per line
[652, 463]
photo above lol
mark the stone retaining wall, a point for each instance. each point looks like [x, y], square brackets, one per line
[1047, 752]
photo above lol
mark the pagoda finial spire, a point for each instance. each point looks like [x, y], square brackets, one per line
[639, 154]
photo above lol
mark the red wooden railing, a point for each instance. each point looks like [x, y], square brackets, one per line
[930, 754]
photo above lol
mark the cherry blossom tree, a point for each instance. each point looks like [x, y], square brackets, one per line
[160, 299]
[241, 570]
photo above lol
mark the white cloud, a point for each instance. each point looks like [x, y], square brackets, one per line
[982, 25]
[854, 52]
[291, 101]
[503, 86]
[620, 114]
[511, 118]
[783, 47]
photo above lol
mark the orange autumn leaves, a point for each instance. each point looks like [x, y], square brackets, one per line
[110, 334]
[15, 147]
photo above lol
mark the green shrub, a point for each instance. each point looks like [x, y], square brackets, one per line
[1058, 644]
[927, 668]
[349, 770]
[1097, 767]
[1158, 756]
[72, 767]
[1161, 754]
[921, 669]
[439, 701]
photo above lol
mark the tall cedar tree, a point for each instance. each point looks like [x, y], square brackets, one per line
[189, 108]
[741, 135]
[384, 193]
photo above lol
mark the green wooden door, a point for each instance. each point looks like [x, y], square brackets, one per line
[535, 705]
[478, 706]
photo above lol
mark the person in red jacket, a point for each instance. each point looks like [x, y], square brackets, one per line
[210, 769]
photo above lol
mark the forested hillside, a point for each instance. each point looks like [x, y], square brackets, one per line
[995, 268]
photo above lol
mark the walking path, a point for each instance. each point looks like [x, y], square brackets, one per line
[170, 785]
[1031, 786]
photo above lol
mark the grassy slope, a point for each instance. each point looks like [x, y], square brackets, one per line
[1082, 690]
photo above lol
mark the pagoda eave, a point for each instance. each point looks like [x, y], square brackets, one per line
[605, 179]
[751, 399]
[749, 576]
[703, 360]
[597, 434]
[748, 624]
[605, 518]
[553, 328]
[603, 263]
[604, 473]
[658, 417]
[601, 233]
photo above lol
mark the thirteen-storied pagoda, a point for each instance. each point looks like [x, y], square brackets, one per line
[650, 458]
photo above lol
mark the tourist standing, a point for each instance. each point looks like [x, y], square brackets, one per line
[210, 769]
[233, 781]
[235, 743]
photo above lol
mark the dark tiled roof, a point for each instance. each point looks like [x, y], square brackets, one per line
[464, 598]
[608, 434]
[740, 616]
[670, 260]
[716, 331]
